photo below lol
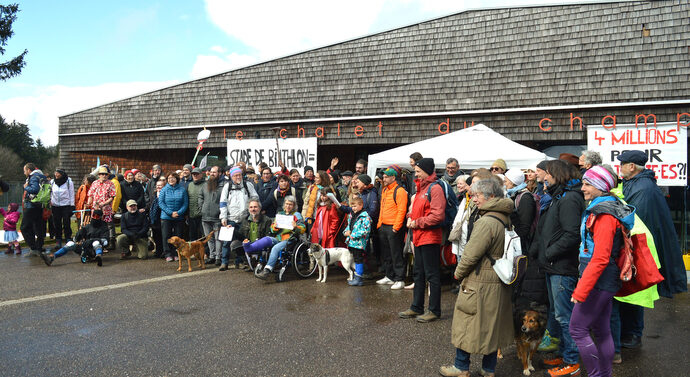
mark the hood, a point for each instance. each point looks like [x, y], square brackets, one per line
[37, 171]
[426, 182]
[609, 204]
[500, 205]
[14, 207]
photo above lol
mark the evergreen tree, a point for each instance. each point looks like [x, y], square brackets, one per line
[12, 67]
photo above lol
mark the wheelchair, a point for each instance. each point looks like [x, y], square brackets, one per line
[295, 255]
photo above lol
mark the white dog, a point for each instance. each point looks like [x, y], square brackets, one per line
[326, 257]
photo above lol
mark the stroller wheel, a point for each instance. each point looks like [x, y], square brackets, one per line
[83, 259]
[258, 269]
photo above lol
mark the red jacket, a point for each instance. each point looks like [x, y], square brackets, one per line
[428, 214]
[328, 221]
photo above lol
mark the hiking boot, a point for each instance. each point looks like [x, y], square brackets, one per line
[48, 258]
[18, 250]
[484, 373]
[9, 249]
[357, 281]
[564, 370]
[398, 285]
[452, 371]
[409, 313]
[384, 281]
[632, 341]
[427, 317]
[547, 343]
[617, 358]
[99, 260]
[263, 275]
[553, 361]
[223, 267]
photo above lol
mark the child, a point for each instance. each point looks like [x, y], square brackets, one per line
[326, 220]
[10, 227]
[357, 231]
[93, 236]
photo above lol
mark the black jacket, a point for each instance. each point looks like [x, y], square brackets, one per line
[523, 217]
[134, 225]
[556, 244]
[132, 191]
[265, 192]
[97, 229]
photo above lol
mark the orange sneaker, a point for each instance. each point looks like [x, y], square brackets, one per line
[553, 361]
[564, 370]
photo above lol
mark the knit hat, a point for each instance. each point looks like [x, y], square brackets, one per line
[397, 168]
[600, 178]
[235, 170]
[390, 172]
[542, 165]
[516, 176]
[427, 165]
[365, 179]
[135, 171]
[500, 163]
[128, 172]
[188, 166]
[156, 167]
[61, 171]
[307, 168]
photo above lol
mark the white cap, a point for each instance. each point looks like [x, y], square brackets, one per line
[516, 176]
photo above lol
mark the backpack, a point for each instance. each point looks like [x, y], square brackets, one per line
[512, 265]
[43, 195]
[537, 198]
[451, 203]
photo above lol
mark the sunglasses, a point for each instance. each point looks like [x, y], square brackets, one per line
[495, 168]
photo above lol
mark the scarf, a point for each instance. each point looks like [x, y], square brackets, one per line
[516, 189]
[61, 181]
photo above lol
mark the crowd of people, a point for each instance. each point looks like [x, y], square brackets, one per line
[568, 213]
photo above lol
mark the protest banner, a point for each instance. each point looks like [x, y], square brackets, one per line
[665, 144]
[296, 153]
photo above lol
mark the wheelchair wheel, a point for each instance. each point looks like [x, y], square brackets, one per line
[303, 263]
[83, 259]
[258, 269]
[280, 276]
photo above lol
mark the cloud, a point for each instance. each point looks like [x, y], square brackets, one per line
[41, 107]
[207, 65]
[219, 49]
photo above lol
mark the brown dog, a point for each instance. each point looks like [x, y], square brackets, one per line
[528, 336]
[189, 249]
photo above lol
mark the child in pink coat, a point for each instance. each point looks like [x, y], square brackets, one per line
[10, 227]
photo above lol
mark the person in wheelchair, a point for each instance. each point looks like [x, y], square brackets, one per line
[135, 231]
[93, 238]
[252, 230]
[283, 235]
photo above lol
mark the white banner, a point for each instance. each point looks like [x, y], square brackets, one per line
[295, 153]
[666, 147]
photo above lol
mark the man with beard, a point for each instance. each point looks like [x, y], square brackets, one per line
[209, 202]
[151, 185]
[308, 175]
[452, 173]
[641, 191]
[254, 227]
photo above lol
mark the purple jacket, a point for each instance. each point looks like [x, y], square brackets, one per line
[11, 218]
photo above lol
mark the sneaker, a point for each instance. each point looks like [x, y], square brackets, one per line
[99, 260]
[176, 259]
[409, 286]
[263, 275]
[553, 361]
[409, 313]
[48, 259]
[452, 371]
[223, 267]
[547, 344]
[427, 317]
[398, 285]
[210, 261]
[384, 281]
[169, 259]
[617, 358]
[564, 370]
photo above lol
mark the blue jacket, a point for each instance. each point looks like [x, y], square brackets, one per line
[609, 280]
[642, 192]
[359, 231]
[173, 199]
[32, 188]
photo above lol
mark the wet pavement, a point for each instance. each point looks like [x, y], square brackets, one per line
[232, 324]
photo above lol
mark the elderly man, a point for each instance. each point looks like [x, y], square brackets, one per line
[233, 203]
[452, 173]
[253, 227]
[589, 159]
[390, 224]
[641, 191]
[209, 202]
[135, 227]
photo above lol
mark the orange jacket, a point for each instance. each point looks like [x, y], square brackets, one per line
[81, 199]
[393, 210]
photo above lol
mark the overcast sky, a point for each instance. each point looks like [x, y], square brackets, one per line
[85, 53]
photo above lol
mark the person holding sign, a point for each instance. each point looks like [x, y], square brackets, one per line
[287, 222]
[253, 230]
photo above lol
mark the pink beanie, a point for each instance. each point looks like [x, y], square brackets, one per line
[600, 178]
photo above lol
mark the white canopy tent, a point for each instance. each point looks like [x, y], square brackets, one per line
[474, 147]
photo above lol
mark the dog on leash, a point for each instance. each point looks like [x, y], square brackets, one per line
[326, 257]
[189, 249]
[530, 326]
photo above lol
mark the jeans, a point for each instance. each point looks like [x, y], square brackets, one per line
[462, 361]
[33, 227]
[391, 244]
[61, 221]
[594, 315]
[616, 326]
[170, 228]
[275, 253]
[632, 319]
[214, 244]
[427, 267]
[560, 288]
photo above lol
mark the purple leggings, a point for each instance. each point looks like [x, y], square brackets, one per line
[594, 314]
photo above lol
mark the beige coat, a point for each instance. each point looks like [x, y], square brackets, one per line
[482, 319]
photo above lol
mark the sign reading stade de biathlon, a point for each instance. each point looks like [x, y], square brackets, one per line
[666, 146]
[296, 153]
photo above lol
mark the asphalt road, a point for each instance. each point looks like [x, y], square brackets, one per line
[142, 318]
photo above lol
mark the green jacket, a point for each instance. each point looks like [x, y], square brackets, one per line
[645, 297]
[194, 191]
